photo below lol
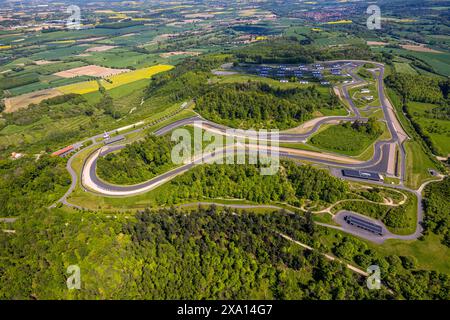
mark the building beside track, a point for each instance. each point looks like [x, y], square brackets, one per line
[361, 174]
[114, 139]
[63, 152]
[364, 224]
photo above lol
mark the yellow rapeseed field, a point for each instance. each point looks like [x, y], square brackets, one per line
[62, 41]
[247, 12]
[128, 77]
[115, 81]
[80, 87]
[339, 22]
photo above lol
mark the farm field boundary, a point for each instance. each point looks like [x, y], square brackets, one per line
[23, 101]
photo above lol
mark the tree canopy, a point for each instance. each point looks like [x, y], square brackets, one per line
[256, 104]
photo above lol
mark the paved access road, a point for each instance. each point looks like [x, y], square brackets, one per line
[388, 235]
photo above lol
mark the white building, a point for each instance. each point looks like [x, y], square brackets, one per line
[16, 155]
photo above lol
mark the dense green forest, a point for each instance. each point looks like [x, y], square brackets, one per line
[437, 209]
[186, 81]
[293, 182]
[205, 254]
[137, 162]
[237, 256]
[290, 50]
[256, 104]
[419, 88]
[29, 184]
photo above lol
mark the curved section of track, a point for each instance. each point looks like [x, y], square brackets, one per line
[91, 181]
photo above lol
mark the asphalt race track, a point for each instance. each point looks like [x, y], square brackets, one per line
[378, 163]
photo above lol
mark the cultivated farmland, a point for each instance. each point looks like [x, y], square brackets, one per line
[22, 101]
[91, 70]
[116, 80]
[100, 48]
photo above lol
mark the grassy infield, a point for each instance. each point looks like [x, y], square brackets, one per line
[343, 140]
[430, 253]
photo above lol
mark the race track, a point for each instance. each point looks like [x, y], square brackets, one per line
[378, 162]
